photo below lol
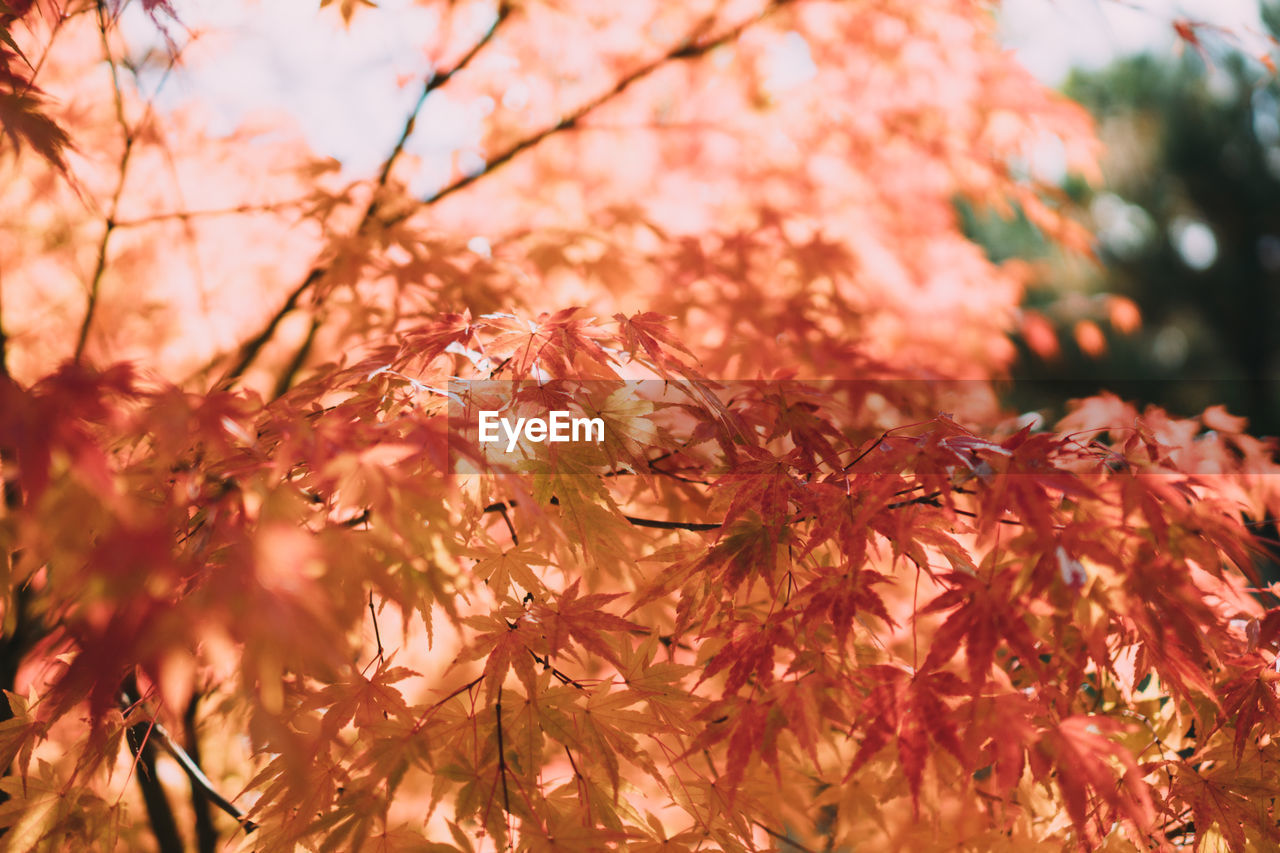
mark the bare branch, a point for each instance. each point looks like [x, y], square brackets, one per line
[502, 757]
[688, 48]
[784, 839]
[206, 832]
[4, 343]
[129, 698]
[299, 358]
[252, 348]
[434, 82]
[100, 266]
[184, 215]
[197, 777]
[656, 523]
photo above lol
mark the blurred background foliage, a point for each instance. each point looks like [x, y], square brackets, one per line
[1179, 307]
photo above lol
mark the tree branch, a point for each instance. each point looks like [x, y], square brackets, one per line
[198, 779]
[100, 266]
[560, 676]
[656, 523]
[184, 215]
[4, 343]
[688, 48]
[15, 644]
[299, 358]
[502, 758]
[784, 839]
[434, 82]
[250, 351]
[159, 813]
[189, 766]
[206, 832]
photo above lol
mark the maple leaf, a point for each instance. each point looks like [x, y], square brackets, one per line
[20, 733]
[1249, 700]
[750, 657]
[1226, 794]
[504, 645]
[914, 710]
[984, 615]
[840, 597]
[648, 331]
[500, 568]
[23, 121]
[363, 700]
[1082, 757]
[581, 620]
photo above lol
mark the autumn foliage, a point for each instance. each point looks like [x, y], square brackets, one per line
[818, 590]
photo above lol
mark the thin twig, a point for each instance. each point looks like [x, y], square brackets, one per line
[184, 215]
[515, 537]
[4, 339]
[560, 676]
[377, 635]
[253, 347]
[164, 826]
[636, 521]
[197, 777]
[100, 266]
[502, 758]
[687, 48]
[417, 726]
[433, 82]
[784, 839]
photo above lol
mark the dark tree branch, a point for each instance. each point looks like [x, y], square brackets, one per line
[159, 813]
[560, 676]
[4, 344]
[656, 523]
[206, 832]
[659, 524]
[251, 348]
[511, 528]
[377, 634]
[160, 736]
[434, 82]
[197, 777]
[784, 839]
[502, 758]
[299, 358]
[698, 526]
[417, 727]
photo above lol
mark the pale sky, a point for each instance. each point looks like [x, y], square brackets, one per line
[1049, 36]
